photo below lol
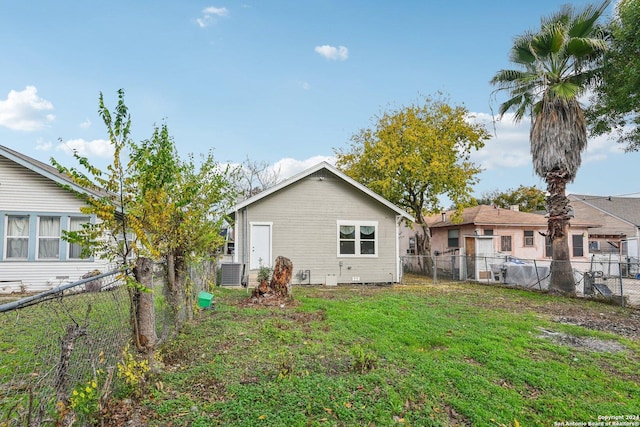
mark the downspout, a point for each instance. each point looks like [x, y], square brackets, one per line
[398, 260]
[244, 242]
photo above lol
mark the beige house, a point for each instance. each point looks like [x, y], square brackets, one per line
[620, 223]
[332, 228]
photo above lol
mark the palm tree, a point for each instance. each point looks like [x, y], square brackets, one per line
[556, 66]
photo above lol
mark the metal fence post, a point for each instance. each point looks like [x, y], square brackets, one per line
[620, 280]
[435, 270]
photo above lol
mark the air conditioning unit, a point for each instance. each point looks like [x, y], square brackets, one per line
[231, 274]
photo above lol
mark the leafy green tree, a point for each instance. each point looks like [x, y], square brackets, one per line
[118, 233]
[415, 154]
[616, 98]
[528, 199]
[155, 207]
[183, 205]
[556, 66]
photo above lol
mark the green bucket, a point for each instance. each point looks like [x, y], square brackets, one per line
[204, 299]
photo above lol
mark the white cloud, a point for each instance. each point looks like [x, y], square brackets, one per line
[25, 110]
[289, 167]
[509, 144]
[209, 14]
[100, 148]
[305, 85]
[333, 53]
[42, 145]
[86, 124]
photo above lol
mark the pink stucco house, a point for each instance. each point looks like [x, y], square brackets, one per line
[487, 237]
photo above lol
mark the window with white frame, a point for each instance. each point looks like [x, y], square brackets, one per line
[358, 238]
[17, 237]
[48, 237]
[75, 224]
[528, 237]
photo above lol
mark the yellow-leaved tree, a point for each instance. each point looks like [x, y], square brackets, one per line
[414, 155]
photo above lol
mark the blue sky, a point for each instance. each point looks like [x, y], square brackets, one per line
[284, 82]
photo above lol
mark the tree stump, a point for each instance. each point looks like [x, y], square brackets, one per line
[278, 288]
[281, 276]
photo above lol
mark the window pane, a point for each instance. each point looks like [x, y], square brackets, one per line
[17, 237]
[548, 247]
[49, 226]
[18, 226]
[347, 247]
[577, 245]
[49, 237]
[75, 249]
[49, 249]
[505, 243]
[367, 247]
[367, 232]
[488, 232]
[17, 248]
[347, 232]
[528, 238]
[452, 240]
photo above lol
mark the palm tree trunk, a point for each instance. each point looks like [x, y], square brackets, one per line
[562, 279]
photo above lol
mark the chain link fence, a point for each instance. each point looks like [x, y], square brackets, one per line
[67, 342]
[606, 276]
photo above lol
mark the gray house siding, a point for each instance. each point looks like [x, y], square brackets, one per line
[304, 223]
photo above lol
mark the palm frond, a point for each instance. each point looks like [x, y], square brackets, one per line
[549, 41]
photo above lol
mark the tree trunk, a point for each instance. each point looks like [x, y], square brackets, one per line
[143, 310]
[281, 276]
[423, 245]
[174, 292]
[562, 279]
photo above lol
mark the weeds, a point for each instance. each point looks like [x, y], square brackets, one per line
[363, 360]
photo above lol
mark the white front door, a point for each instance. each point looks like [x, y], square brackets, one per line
[260, 246]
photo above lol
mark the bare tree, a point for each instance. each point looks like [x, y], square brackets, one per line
[255, 177]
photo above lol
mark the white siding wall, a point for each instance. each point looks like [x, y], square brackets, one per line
[22, 192]
[304, 217]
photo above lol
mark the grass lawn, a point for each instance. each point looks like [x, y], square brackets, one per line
[421, 355]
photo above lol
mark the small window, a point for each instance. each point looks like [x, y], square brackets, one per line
[594, 246]
[453, 238]
[367, 240]
[528, 237]
[75, 249]
[49, 237]
[548, 247]
[412, 246]
[17, 237]
[488, 232]
[578, 245]
[505, 243]
[357, 238]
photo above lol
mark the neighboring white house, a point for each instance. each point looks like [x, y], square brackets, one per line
[332, 228]
[34, 210]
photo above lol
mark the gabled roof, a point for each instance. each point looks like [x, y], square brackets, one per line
[624, 208]
[334, 171]
[43, 169]
[491, 216]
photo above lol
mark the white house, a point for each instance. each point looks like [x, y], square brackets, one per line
[34, 210]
